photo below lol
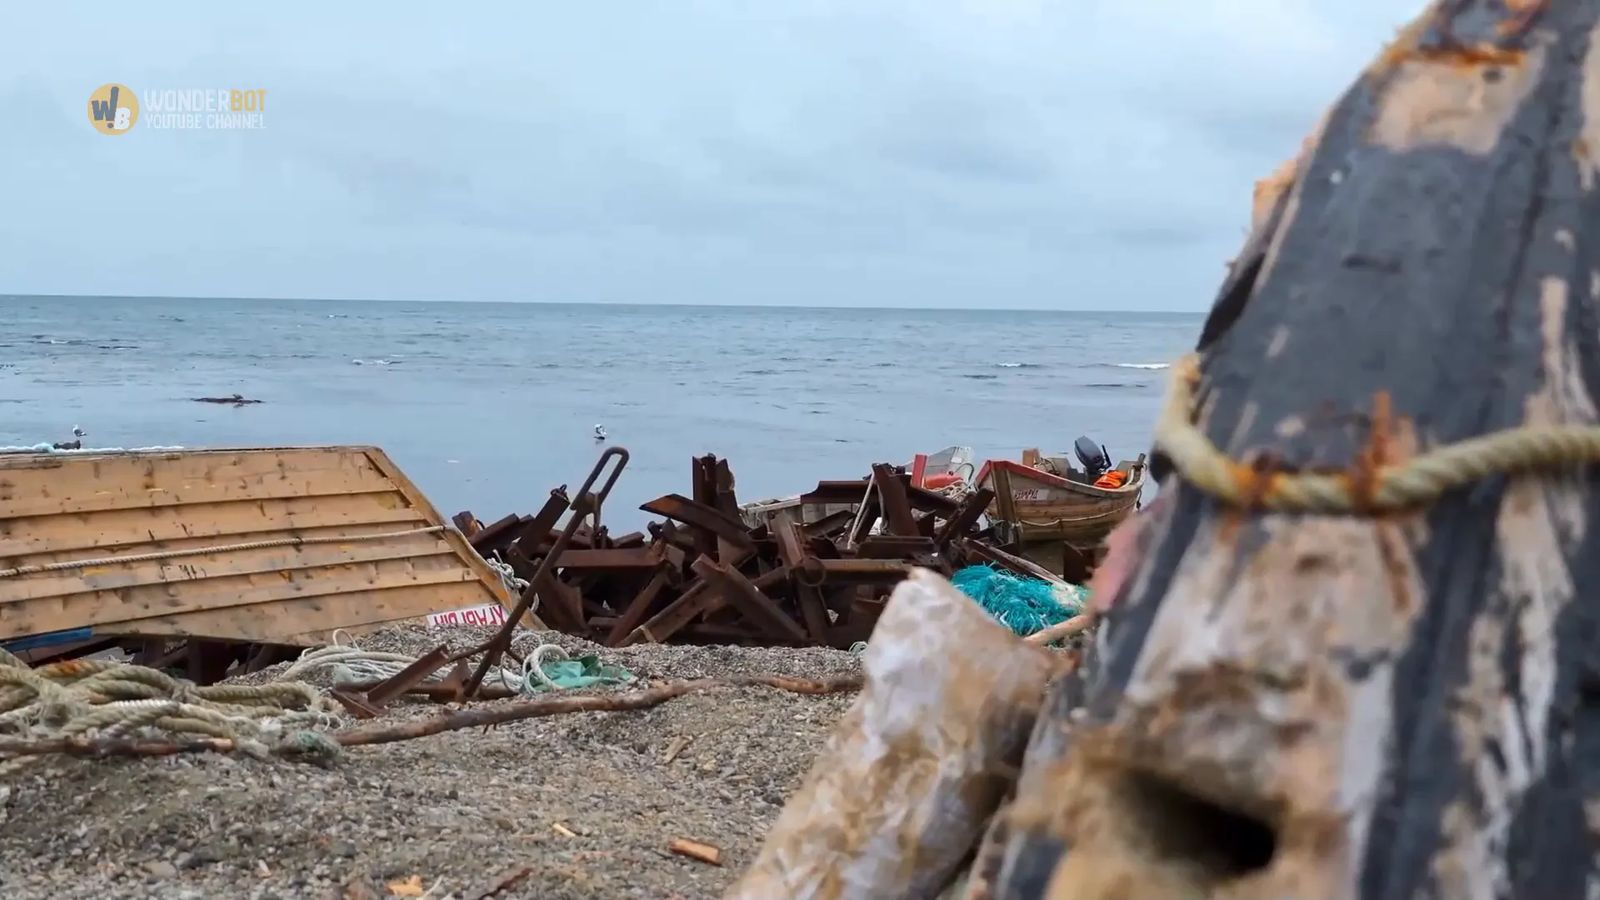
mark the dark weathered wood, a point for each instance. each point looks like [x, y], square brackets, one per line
[1348, 707]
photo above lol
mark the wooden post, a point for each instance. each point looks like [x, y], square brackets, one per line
[1356, 706]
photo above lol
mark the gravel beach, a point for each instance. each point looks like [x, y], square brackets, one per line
[574, 806]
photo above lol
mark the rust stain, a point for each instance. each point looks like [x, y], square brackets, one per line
[1432, 37]
[1473, 56]
[1375, 455]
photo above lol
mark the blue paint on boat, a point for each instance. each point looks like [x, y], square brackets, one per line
[49, 639]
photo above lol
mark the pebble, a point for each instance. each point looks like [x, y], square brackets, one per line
[574, 806]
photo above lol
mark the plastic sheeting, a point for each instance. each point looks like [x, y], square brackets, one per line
[902, 791]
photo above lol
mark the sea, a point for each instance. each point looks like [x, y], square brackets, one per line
[488, 406]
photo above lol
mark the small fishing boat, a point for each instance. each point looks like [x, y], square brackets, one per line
[1047, 498]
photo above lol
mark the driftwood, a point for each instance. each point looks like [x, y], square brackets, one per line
[235, 400]
[456, 720]
[1364, 706]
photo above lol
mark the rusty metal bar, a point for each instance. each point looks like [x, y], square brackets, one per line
[751, 602]
[534, 530]
[702, 516]
[629, 558]
[409, 677]
[637, 608]
[502, 639]
[889, 546]
[896, 506]
[967, 516]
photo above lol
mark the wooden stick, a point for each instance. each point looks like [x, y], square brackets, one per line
[1062, 629]
[541, 707]
[696, 850]
[476, 717]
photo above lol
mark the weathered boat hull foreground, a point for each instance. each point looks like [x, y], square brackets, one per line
[276, 546]
[1361, 706]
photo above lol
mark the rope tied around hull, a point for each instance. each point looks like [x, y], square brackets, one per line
[1416, 482]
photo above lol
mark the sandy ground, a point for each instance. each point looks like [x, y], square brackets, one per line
[575, 806]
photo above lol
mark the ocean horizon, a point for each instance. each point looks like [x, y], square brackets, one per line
[487, 405]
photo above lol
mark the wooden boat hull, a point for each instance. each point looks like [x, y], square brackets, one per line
[1048, 507]
[282, 546]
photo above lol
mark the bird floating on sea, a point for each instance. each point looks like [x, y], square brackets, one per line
[599, 432]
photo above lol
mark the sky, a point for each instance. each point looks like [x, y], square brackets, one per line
[918, 153]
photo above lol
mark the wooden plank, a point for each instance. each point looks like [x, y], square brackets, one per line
[70, 478]
[308, 620]
[95, 607]
[21, 538]
[296, 483]
[114, 576]
[353, 532]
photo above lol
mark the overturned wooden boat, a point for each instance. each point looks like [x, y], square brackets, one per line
[272, 546]
[1048, 499]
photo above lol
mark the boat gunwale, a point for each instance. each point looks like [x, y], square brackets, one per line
[47, 459]
[1133, 485]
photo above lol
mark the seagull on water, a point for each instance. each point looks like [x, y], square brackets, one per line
[599, 432]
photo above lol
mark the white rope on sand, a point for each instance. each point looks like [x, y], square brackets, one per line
[352, 665]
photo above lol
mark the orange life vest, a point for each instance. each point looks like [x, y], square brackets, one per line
[1111, 479]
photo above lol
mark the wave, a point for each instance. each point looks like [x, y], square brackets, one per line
[1141, 365]
[1016, 365]
[78, 342]
[1112, 385]
[981, 377]
[374, 362]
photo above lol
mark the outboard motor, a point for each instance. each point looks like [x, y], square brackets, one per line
[1096, 461]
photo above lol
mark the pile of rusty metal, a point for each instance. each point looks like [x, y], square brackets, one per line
[705, 574]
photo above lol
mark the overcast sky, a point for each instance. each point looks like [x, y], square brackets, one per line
[1017, 153]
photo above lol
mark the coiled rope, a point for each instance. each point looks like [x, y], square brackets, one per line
[107, 699]
[1415, 482]
[350, 664]
[514, 583]
[224, 548]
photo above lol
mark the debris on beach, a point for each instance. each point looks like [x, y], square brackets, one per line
[813, 571]
[557, 799]
[639, 749]
[235, 400]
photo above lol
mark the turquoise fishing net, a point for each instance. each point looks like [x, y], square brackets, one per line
[1024, 605]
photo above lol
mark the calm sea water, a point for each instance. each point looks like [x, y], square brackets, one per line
[487, 406]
